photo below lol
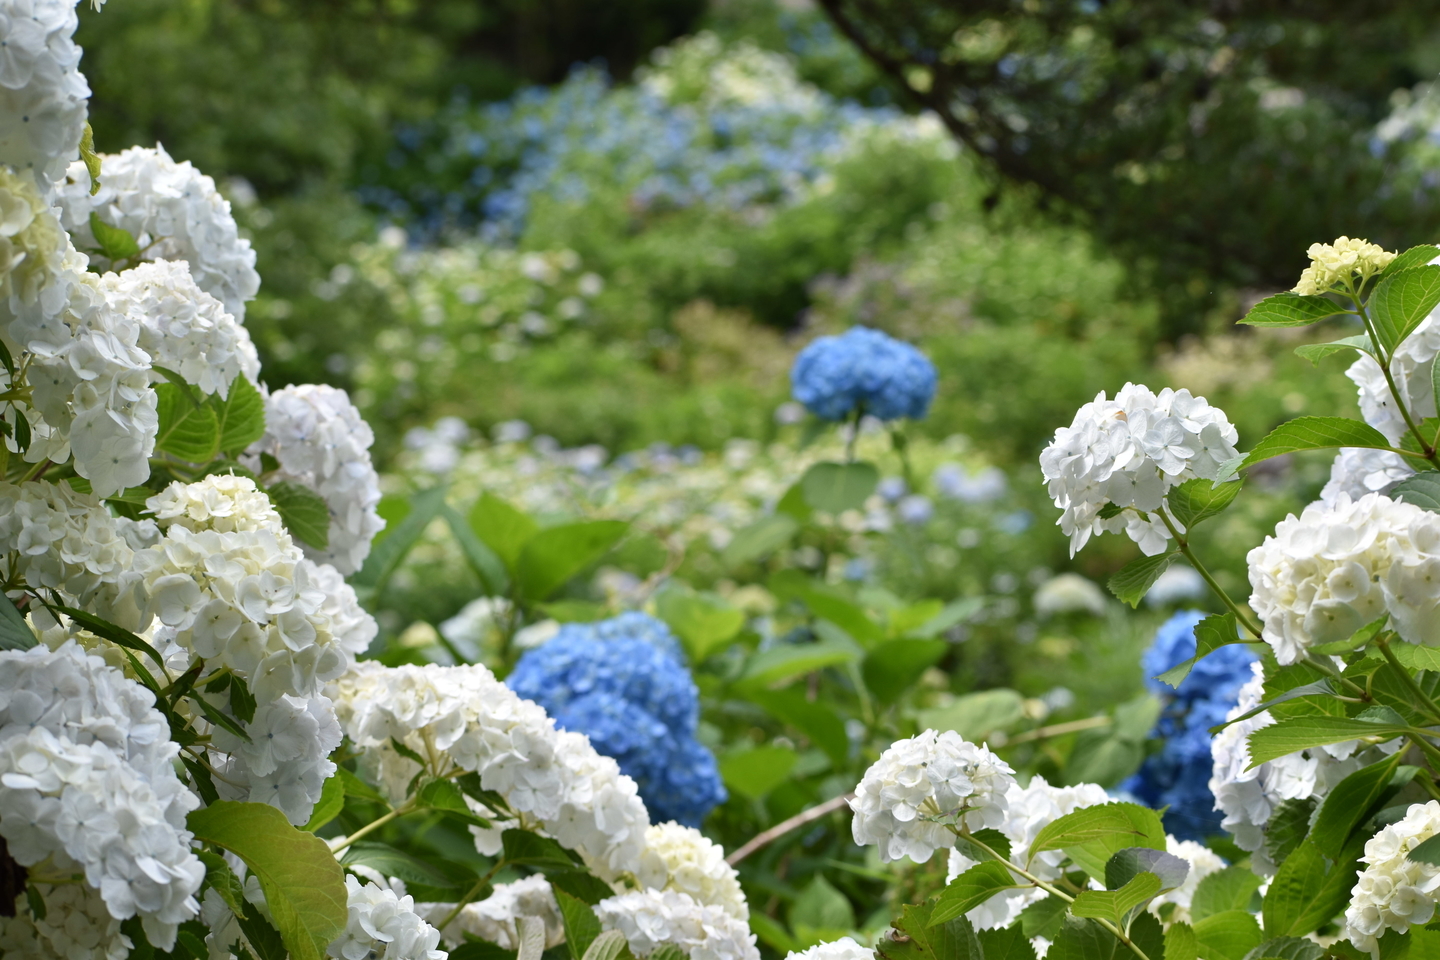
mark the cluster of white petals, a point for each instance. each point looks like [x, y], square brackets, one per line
[1357, 471]
[1030, 810]
[920, 787]
[1342, 564]
[173, 211]
[86, 779]
[43, 94]
[319, 440]
[219, 502]
[182, 327]
[1394, 892]
[1330, 263]
[683, 859]
[1248, 796]
[382, 925]
[1128, 453]
[286, 761]
[474, 721]
[1203, 862]
[843, 949]
[1410, 368]
[32, 245]
[649, 919]
[76, 926]
[494, 918]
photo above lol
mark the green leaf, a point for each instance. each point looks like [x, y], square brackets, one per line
[759, 539]
[502, 528]
[555, 554]
[1416, 256]
[1315, 352]
[219, 876]
[1224, 890]
[303, 512]
[387, 553]
[816, 719]
[893, 667]
[976, 715]
[91, 159]
[1427, 851]
[972, 888]
[1136, 578]
[1196, 501]
[777, 664]
[1358, 639]
[357, 788]
[609, 945]
[581, 924]
[1180, 943]
[1401, 301]
[524, 847]
[583, 886]
[1423, 490]
[1044, 917]
[488, 567]
[1083, 939]
[793, 504]
[821, 907]
[837, 487]
[15, 633]
[704, 621]
[952, 614]
[328, 807]
[1226, 936]
[262, 936]
[397, 863]
[1092, 835]
[115, 243]
[1007, 943]
[1129, 863]
[188, 432]
[1291, 310]
[845, 614]
[1287, 948]
[303, 883]
[1353, 800]
[754, 773]
[1309, 889]
[915, 939]
[970, 845]
[1211, 634]
[1288, 827]
[446, 797]
[109, 631]
[240, 415]
[1115, 905]
[1301, 733]
[1308, 433]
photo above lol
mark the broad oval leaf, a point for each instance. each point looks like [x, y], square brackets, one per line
[186, 431]
[972, 888]
[1196, 501]
[1092, 835]
[1423, 489]
[1291, 310]
[1135, 579]
[1401, 301]
[837, 487]
[1309, 433]
[1315, 352]
[303, 512]
[15, 633]
[555, 554]
[240, 415]
[762, 537]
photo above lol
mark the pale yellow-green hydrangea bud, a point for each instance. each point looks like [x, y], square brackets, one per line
[1333, 262]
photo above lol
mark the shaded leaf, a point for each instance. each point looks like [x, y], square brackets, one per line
[760, 538]
[1196, 501]
[115, 243]
[1224, 890]
[1315, 352]
[15, 633]
[1400, 301]
[972, 888]
[188, 432]
[303, 511]
[555, 554]
[328, 807]
[1423, 490]
[1135, 579]
[240, 415]
[1115, 905]
[1308, 433]
[837, 487]
[502, 528]
[581, 924]
[1226, 936]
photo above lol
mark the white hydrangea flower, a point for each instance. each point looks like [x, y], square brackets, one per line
[1129, 452]
[650, 919]
[173, 211]
[182, 327]
[1342, 564]
[1410, 367]
[287, 759]
[1203, 862]
[43, 95]
[86, 777]
[843, 949]
[1030, 810]
[493, 918]
[909, 799]
[683, 859]
[1361, 470]
[1394, 892]
[32, 245]
[1248, 797]
[463, 715]
[320, 440]
[219, 502]
[77, 926]
[1332, 262]
[384, 926]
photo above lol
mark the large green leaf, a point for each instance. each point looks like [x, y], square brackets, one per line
[893, 667]
[502, 528]
[393, 862]
[1083, 939]
[976, 715]
[972, 888]
[1006, 943]
[1136, 578]
[704, 621]
[116, 243]
[1211, 634]
[494, 578]
[820, 907]
[1310, 889]
[1416, 256]
[814, 718]
[1092, 835]
[1423, 489]
[837, 487]
[1315, 352]
[1291, 310]
[1196, 501]
[303, 511]
[1401, 301]
[916, 939]
[760, 538]
[303, 883]
[555, 554]
[1180, 943]
[188, 432]
[1227, 936]
[778, 664]
[755, 772]
[1288, 827]
[240, 416]
[1287, 948]
[531, 849]
[1309, 433]
[1223, 890]
[1115, 905]
[1301, 733]
[1352, 800]
[15, 633]
[582, 926]
[386, 554]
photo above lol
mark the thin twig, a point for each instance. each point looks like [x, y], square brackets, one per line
[785, 826]
[1057, 730]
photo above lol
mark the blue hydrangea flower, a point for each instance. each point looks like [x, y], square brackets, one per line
[1179, 775]
[867, 369]
[622, 682]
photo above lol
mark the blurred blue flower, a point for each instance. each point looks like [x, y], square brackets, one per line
[865, 369]
[623, 683]
[1179, 775]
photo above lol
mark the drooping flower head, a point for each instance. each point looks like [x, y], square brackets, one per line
[863, 369]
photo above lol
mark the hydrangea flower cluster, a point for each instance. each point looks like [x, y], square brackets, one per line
[76, 926]
[684, 860]
[86, 780]
[1177, 778]
[1332, 263]
[921, 788]
[1358, 471]
[32, 245]
[318, 439]
[494, 918]
[650, 919]
[865, 371]
[173, 211]
[621, 683]
[1128, 453]
[383, 925]
[1394, 892]
[220, 502]
[843, 949]
[1410, 367]
[1343, 564]
[43, 94]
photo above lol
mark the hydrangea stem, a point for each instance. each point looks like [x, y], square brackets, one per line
[337, 845]
[470, 895]
[1189, 555]
[1427, 449]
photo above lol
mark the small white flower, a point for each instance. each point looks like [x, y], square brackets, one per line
[1394, 892]
[650, 919]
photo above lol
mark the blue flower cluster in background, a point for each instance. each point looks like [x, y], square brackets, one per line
[623, 683]
[1179, 775]
[866, 369]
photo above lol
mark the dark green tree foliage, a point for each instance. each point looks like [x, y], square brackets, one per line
[1210, 143]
